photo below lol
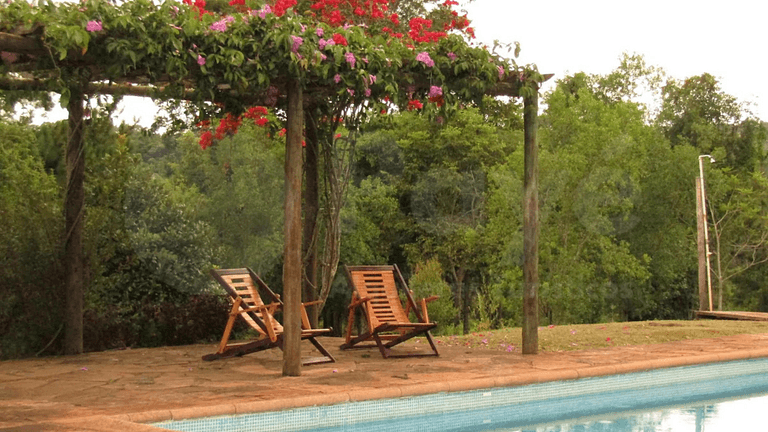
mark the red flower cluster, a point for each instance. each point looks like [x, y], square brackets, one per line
[230, 124]
[340, 39]
[415, 104]
[339, 12]
[198, 5]
[282, 5]
[419, 30]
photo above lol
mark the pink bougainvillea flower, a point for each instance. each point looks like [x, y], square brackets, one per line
[262, 13]
[93, 26]
[297, 41]
[351, 92]
[220, 25]
[323, 56]
[510, 348]
[371, 79]
[435, 91]
[337, 78]
[424, 58]
[200, 60]
[321, 43]
[368, 94]
[452, 56]
[319, 31]
[350, 58]
[573, 332]
[175, 26]
[501, 72]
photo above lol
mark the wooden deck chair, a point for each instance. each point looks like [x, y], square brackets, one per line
[375, 292]
[244, 286]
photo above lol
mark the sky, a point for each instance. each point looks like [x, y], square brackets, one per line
[728, 40]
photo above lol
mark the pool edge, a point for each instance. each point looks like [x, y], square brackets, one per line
[140, 419]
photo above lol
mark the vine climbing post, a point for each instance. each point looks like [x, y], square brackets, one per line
[531, 225]
[311, 210]
[73, 213]
[292, 274]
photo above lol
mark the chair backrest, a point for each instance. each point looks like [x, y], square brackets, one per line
[244, 283]
[378, 284]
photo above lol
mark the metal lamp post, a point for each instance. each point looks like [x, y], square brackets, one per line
[705, 225]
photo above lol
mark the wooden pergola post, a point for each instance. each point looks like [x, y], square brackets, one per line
[531, 225]
[74, 209]
[292, 273]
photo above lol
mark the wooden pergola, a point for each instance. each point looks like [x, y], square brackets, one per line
[298, 98]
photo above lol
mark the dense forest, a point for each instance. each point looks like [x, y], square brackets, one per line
[440, 197]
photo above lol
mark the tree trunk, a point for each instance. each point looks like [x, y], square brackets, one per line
[292, 252]
[311, 210]
[465, 308]
[531, 226]
[74, 209]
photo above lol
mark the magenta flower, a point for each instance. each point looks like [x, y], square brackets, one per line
[93, 26]
[319, 31]
[351, 92]
[501, 72]
[321, 43]
[220, 25]
[200, 60]
[323, 57]
[337, 78]
[262, 13]
[435, 91]
[350, 58]
[368, 94]
[297, 41]
[452, 56]
[371, 79]
[424, 58]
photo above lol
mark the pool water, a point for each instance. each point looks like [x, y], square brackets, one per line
[702, 398]
[744, 414]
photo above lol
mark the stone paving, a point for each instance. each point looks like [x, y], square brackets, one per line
[122, 390]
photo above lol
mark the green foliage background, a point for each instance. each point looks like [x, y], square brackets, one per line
[440, 197]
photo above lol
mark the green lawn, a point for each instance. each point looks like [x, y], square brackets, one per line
[587, 336]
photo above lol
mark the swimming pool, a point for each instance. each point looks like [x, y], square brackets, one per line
[553, 404]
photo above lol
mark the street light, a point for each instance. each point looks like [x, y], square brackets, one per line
[706, 230]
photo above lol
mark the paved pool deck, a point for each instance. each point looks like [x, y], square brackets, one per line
[123, 390]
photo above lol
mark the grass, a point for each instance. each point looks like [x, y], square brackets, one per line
[589, 336]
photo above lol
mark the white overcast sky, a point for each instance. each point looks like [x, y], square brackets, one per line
[728, 39]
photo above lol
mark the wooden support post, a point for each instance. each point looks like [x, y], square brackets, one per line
[311, 210]
[74, 209]
[292, 252]
[701, 219]
[531, 226]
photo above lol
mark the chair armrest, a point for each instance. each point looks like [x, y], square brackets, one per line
[431, 298]
[312, 303]
[271, 306]
[358, 302]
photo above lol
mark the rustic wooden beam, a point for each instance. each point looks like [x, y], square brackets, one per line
[531, 226]
[74, 209]
[21, 44]
[292, 248]
[701, 219]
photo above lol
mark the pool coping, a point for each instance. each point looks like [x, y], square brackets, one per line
[137, 422]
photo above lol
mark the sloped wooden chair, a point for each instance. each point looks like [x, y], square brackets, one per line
[244, 286]
[375, 292]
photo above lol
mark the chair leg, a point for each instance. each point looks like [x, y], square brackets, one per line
[383, 349]
[328, 357]
[240, 350]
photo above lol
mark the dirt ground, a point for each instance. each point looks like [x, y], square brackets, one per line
[86, 392]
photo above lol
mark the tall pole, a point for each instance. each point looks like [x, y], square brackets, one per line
[706, 229]
[701, 221]
[292, 251]
[531, 225]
